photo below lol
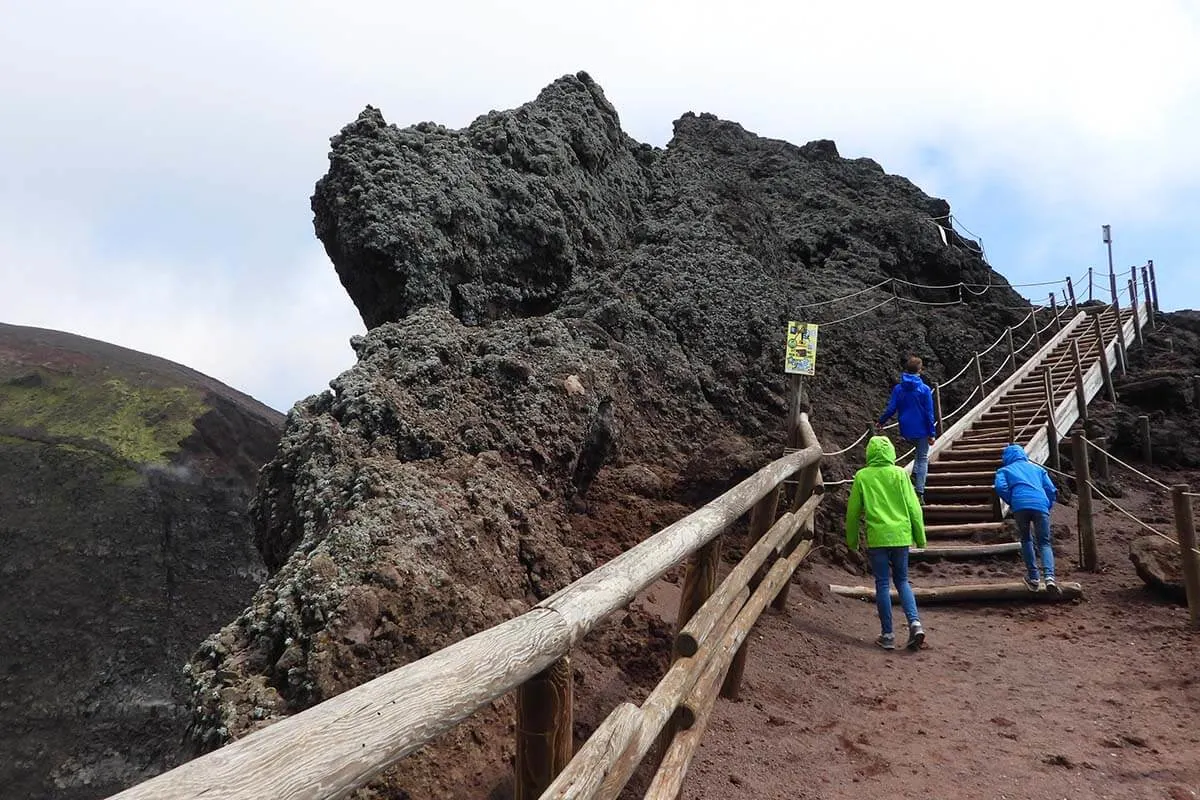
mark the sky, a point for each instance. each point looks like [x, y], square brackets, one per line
[157, 158]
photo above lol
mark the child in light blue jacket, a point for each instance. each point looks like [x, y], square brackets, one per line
[1030, 493]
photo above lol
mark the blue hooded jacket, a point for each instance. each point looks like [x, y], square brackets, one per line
[912, 402]
[1024, 485]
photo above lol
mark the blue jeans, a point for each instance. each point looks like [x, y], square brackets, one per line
[920, 463]
[1030, 524]
[893, 560]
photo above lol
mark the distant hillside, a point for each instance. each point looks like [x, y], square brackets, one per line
[124, 482]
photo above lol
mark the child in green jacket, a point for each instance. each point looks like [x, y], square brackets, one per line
[884, 493]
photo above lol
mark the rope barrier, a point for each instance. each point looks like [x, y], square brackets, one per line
[966, 403]
[1115, 505]
[859, 314]
[850, 446]
[1134, 470]
[1001, 368]
[879, 285]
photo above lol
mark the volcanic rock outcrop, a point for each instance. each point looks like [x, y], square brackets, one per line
[573, 338]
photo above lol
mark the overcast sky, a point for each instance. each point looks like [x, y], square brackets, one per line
[157, 158]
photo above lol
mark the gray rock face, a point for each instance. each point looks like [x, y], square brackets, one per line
[1159, 565]
[457, 473]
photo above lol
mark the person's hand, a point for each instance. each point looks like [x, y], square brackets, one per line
[932, 439]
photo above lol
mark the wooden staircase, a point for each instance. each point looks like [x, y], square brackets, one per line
[963, 516]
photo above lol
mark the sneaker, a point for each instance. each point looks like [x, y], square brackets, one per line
[916, 636]
[921, 498]
[887, 641]
[1031, 584]
[1053, 588]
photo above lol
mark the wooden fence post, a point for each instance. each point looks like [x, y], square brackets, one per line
[1112, 287]
[1153, 285]
[937, 406]
[1196, 391]
[810, 476]
[1012, 348]
[1100, 457]
[979, 379]
[1185, 529]
[1137, 320]
[699, 582]
[1083, 490]
[1012, 426]
[1146, 297]
[545, 729]
[1037, 332]
[1105, 370]
[1054, 312]
[761, 518]
[1144, 433]
[1080, 396]
[1071, 296]
[1051, 424]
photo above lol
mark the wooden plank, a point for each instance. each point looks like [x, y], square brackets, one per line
[607, 744]
[688, 640]
[329, 750]
[965, 551]
[968, 593]
[587, 601]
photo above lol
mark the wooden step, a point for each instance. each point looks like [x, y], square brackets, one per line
[965, 530]
[944, 467]
[969, 593]
[962, 552]
[944, 478]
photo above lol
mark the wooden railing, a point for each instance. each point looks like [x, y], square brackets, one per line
[333, 748]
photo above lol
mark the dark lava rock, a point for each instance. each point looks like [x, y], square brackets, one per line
[124, 482]
[1158, 563]
[443, 483]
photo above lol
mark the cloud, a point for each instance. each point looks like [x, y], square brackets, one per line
[277, 340]
[164, 153]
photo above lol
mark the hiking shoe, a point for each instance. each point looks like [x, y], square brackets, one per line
[921, 498]
[916, 636]
[887, 641]
[1031, 584]
[1053, 588]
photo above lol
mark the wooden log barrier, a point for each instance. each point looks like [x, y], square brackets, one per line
[694, 712]
[969, 593]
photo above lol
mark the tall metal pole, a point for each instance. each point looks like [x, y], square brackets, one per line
[1113, 276]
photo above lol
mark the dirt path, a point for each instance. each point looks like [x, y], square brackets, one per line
[1096, 699]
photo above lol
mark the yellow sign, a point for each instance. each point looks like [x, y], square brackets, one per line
[801, 355]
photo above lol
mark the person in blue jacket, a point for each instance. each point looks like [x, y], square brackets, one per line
[1030, 493]
[912, 403]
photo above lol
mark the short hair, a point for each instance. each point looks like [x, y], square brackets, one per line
[913, 365]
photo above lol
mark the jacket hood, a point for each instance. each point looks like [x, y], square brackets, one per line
[910, 381]
[1014, 453]
[880, 452]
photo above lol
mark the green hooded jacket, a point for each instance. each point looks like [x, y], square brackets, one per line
[885, 494]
